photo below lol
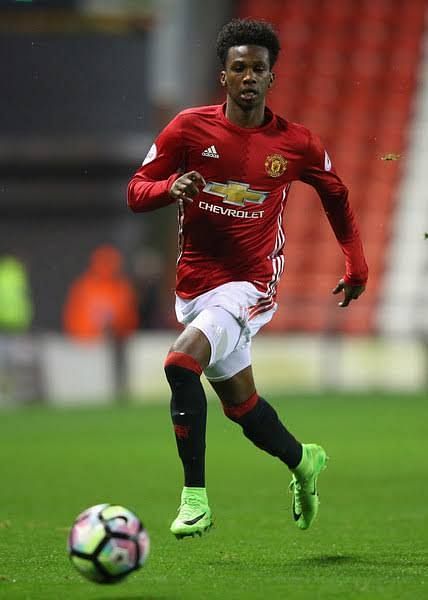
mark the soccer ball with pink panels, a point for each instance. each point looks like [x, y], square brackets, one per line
[107, 542]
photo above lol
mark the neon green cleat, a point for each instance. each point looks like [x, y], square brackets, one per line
[304, 485]
[194, 514]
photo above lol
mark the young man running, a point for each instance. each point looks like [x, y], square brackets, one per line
[239, 160]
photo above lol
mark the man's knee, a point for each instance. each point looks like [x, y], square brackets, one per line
[237, 389]
[193, 343]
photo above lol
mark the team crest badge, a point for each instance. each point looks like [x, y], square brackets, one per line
[275, 165]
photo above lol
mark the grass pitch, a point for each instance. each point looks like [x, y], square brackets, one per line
[370, 541]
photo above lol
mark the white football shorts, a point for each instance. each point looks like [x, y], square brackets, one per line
[229, 316]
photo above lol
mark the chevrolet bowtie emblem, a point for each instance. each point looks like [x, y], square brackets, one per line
[235, 193]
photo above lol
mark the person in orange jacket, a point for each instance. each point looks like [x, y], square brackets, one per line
[102, 301]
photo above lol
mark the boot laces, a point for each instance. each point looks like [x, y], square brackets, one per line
[189, 505]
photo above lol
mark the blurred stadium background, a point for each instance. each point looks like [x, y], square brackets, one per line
[87, 84]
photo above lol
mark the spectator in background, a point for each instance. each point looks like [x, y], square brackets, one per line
[102, 301]
[19, 381]
[16, 309]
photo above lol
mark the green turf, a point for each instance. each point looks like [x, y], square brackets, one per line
[370, 540]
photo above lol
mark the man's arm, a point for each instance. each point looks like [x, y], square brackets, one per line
[149, 187]
[320, 174]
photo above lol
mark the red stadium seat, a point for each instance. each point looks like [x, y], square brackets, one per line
[350, 77]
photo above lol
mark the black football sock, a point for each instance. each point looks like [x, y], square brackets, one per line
[189, 415]
[260, 424]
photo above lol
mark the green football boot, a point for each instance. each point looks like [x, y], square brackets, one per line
[304, 485]
[194, 515]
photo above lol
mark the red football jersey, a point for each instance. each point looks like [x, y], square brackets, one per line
[233, 230]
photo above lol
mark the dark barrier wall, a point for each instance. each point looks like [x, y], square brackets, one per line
[53, 84]
[74, 119]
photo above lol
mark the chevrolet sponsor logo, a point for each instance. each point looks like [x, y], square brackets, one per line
[234, 192]
[219, 209]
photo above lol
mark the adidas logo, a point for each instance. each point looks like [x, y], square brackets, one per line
[211, 152]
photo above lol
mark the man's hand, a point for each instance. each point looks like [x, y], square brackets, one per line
[352, 292]
[187, 186]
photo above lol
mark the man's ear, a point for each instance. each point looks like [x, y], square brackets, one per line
[272, 79]
[223, 78]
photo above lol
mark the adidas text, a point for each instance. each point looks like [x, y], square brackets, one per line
[211, 152]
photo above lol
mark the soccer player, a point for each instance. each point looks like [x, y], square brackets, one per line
[229, 168]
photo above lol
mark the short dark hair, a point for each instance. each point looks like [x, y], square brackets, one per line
[243, 32]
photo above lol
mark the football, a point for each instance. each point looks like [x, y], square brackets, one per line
[107, 542]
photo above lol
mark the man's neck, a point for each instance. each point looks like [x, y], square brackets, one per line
[242, 118]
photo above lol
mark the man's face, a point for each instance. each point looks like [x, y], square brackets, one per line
[247, 75]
